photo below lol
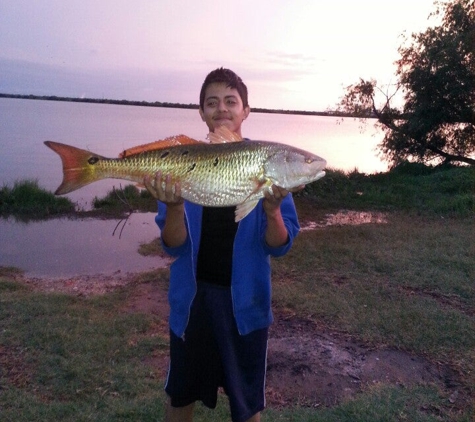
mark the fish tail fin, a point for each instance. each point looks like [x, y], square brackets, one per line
[78, 167]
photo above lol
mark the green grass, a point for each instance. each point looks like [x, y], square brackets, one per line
[72, 359]
[125, 199]
[407, 284]
[381, 403]
[26, 200]
[447, 191]
[409, 187]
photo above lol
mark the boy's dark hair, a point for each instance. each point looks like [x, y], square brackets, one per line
[228, 77]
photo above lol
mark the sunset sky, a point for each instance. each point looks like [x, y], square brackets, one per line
[297, 54]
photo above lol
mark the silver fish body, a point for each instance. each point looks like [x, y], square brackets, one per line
[218, 175]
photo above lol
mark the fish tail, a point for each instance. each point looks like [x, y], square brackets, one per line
[78, 167]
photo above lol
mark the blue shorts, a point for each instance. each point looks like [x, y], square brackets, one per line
[214, 354]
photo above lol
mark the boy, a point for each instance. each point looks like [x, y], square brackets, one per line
[220, 290]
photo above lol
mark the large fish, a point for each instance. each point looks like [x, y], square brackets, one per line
[217, 174]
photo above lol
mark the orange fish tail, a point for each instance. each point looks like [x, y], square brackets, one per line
[78, 167]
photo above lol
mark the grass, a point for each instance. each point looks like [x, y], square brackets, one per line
[26, 200]
[74, 359]
[410, 187]
[130, 197]
[379, 404]
[447, 191]
[406, 284]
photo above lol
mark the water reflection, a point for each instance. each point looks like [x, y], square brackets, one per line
[348, 218]
[67, 247]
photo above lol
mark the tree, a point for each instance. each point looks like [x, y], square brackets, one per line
[436, 75]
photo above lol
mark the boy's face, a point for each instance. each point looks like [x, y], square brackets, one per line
[223, 106]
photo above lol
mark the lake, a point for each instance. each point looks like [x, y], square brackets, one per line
[64, 247]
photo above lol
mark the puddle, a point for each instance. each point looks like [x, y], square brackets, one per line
[348, 218]
[68, 247]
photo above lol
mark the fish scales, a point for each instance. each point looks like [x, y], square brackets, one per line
[212, 175]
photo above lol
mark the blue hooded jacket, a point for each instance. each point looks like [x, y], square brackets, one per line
[251, 271]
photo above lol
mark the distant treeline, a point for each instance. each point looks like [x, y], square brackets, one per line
[162, 104]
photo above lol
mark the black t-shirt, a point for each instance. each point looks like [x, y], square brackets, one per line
[215, 255]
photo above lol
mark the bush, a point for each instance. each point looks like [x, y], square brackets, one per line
[442, 190]
[26, 198]
[127, 198]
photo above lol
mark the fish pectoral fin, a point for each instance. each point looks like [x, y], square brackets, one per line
[171, 141]
[246, 206]
[222, 135]
[261, 184]
[244, 209]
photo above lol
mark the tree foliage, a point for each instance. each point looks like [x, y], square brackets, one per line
[436, 76]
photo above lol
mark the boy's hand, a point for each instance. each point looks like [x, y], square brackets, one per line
[169, 194]
[273, 200]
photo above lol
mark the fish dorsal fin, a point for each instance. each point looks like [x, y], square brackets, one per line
[171, 141]
[222, 135]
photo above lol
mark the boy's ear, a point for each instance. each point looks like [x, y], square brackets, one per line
[247, 110]
[201, 114]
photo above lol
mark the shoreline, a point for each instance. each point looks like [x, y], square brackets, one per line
[329, 113]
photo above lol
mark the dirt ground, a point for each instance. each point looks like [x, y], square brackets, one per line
[307, 364]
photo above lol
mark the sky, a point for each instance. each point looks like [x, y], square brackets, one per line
[292, 54]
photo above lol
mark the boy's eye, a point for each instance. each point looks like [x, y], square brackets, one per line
[211, 103]
[231, 102]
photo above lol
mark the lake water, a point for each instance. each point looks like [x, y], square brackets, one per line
[64, 247]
